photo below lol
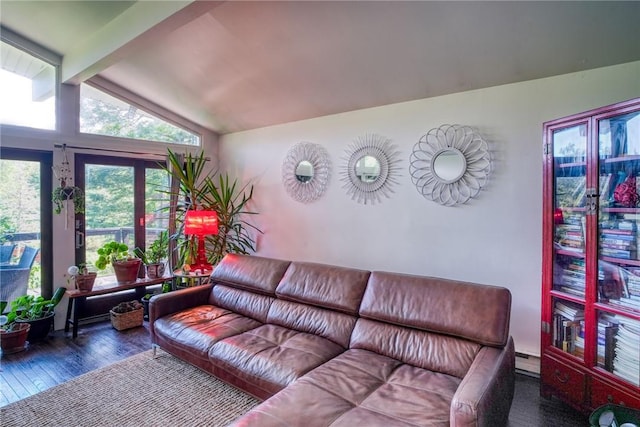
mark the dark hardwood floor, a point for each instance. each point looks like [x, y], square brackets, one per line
[61, 358]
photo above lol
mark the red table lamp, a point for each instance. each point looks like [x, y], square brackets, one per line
[201, 223]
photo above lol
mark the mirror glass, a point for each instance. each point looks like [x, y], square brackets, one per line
[304, 171]
[449, 165]
[368, 168]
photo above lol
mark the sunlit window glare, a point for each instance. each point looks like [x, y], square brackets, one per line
[17, 106]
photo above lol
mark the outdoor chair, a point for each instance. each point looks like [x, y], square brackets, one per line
[5, 253]
[14, 279]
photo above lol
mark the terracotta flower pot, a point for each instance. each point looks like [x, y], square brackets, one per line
[126, 271]
[155, 271]
[15, 340]
[85, 282]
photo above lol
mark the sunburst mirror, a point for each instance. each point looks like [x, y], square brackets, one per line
[450, 164]
[305, 172]
[370, 169]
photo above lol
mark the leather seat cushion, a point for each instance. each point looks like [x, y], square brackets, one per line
[197, 329]
[360, 388]
[272, 356]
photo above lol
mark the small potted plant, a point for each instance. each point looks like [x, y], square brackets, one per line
[13, 336]
[38, 312]
[83, 278]
[125, 264]
[153, 258]
[127, 315]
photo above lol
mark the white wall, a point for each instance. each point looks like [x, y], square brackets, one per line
[495, 239]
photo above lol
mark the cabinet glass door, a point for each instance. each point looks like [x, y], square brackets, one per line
[569, 225]
[618, 291]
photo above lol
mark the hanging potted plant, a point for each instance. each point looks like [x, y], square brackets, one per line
[66, 192]
[125, 265]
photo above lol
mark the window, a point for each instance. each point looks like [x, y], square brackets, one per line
[124, 201]
[28, 90]
[103, 114]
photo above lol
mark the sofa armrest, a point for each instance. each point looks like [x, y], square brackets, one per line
[172, 302]
[485, 394]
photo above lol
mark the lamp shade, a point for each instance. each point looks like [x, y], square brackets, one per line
[201, 223]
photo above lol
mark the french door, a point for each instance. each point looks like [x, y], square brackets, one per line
[123, 202]
[26, 216]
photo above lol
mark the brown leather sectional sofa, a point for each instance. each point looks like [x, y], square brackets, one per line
[334, 346]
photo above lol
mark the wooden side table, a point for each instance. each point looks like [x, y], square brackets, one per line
[78, 298]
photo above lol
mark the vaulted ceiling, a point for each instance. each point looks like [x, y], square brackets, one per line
[237, 65]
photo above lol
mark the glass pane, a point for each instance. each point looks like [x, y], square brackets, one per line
[619, 346]
[156, 203]
[569, 153]
[568, 327]
[19, 228]
[28, 91]
[103, 114]
[619, 166]
[109, 209]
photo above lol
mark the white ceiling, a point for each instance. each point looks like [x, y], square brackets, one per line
[232, 66]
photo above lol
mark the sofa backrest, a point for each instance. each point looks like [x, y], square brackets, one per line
[478, 313]
[250, 272]
[433, 323]
[326, 286]
[319, 299]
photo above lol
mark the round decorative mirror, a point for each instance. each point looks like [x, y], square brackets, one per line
[370, 169]
[450, 164]
[305, 171]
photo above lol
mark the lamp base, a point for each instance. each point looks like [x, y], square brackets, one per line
[203, 269]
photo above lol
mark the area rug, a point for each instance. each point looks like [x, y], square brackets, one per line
[138, 391]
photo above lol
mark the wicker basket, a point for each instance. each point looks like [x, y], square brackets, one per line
[128, 320]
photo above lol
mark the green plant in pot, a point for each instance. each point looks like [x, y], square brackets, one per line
[125, 264]
[83, 278]
[231, 201]
[38, 312]
[155, 256]
[13, 336]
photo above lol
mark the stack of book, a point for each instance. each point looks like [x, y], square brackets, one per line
[568, 327]
[570, 234]
[626, 364]
[619, 242]
[573, 278]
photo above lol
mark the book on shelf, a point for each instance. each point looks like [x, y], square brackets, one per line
[569, 311]
[607, 331]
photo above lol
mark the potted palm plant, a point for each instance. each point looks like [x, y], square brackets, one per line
[125, 264]
[224, 195]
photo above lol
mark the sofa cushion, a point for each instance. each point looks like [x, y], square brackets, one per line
[327, 286]
[250, 272]
[240, 301]
[197, 329]
[436, 352]
[360, 388]
[272, 356]
[476, 312]
[328, 324]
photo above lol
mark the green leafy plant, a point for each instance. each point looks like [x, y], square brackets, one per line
[157, 251]
[30, 307]
[112, 252]
[62, 194]
[230, 200]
